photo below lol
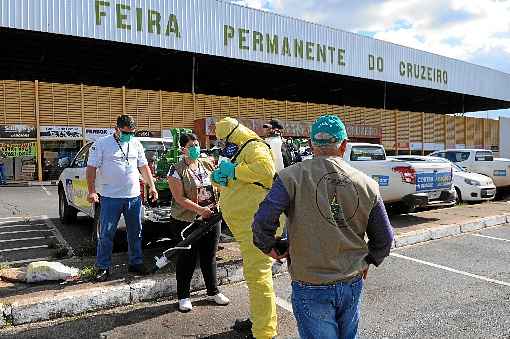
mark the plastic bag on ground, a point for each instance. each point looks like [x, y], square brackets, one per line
[49, 271]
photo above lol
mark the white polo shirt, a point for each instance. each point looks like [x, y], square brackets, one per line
[117, 164]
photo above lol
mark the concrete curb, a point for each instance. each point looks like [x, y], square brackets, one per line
[443, 231]
[27, 309]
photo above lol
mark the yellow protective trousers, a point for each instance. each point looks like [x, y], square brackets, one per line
[258, 276]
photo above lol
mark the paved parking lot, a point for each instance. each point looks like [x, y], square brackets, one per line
[451, 288]
[27, 224]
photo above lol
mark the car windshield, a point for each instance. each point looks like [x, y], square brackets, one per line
[457, 156]
[367, 153]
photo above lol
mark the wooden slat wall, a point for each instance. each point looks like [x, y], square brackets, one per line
[415, 127]
[459, 131]
[450, 132]
[403, 127]
[17, 102]
[388, 130]
[61, 104]
[439, 129]
[429, 136]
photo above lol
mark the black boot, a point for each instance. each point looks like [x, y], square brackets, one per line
[138, 269]
[242, 325]
[102, 275]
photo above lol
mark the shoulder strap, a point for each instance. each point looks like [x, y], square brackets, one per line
[234, 158]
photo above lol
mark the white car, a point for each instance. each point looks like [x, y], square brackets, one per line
[479, 161]
[469, 186]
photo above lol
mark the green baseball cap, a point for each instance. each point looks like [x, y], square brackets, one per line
[328, 129]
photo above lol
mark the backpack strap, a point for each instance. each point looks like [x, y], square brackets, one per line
[234, 158]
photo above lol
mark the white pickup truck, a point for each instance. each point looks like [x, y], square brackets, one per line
[480, 161]
[414, 184]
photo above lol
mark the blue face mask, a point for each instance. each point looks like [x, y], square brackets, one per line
[194, 152]
[126, 136]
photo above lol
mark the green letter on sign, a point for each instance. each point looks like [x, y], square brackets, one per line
[154, 19]
[121, 17]
[228, 33]
[173, 26]
[341, 57]
[309, 50]
[272, 44]
[242, 38]
[99, 12]
[257, 41]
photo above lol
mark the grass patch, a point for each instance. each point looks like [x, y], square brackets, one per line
[88, 273]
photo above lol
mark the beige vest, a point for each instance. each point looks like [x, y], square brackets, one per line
[190, 189]
[330, 204]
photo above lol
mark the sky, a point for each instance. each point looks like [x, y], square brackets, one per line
[476, 31]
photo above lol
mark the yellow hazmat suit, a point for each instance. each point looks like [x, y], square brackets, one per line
[238, 202]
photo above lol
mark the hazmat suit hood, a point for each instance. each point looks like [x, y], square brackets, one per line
[239, 136]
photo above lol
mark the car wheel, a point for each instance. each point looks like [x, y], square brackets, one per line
[66, 213]
[459, 196]
[96, 226]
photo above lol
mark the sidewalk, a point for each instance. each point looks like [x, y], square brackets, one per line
[22, 303]
[30, 183]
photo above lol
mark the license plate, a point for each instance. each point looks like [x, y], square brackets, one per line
[490, 192]
[434, 195]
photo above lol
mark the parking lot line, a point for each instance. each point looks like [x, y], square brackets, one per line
[21, 225]
[25, 231]
[284, 304]
[25, 239]
[8, 218]
[449, 269]
[48, 193]
[24, 248]
[489, 237]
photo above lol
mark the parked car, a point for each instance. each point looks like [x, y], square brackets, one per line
[415, 184]
[469, 186]
[479, 161]
[73, 190]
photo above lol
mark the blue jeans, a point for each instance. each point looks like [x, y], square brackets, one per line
[327, 311]
[2, 175]
[111, 209]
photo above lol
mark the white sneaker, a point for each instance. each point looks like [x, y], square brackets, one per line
[185, 305]
[219, 299]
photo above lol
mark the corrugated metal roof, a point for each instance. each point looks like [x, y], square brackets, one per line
[223, 29]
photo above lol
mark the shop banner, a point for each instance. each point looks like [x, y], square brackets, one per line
[17, 150]
[17, 132]
[93, 134]
[61, 132]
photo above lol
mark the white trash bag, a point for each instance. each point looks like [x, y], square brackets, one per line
[45, 270]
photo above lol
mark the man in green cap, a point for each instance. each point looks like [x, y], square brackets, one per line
[330, 207]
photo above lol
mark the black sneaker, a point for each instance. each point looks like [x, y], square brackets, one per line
[242, 325]
[137, 269]
[102, 275]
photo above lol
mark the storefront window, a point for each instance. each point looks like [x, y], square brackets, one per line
[57, 155]
[19, 160]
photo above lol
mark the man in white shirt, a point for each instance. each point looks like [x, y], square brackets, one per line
[116, 161]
